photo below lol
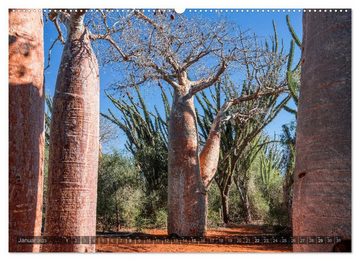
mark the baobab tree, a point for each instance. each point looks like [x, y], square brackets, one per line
[322, 181]
[74, 139]
[190, 56]
[26, 126]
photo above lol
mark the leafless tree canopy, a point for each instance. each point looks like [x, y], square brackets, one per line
[144, 48]
[169, 47]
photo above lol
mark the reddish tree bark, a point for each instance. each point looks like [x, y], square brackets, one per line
[74, 142]
[322, 182]
[26, 127]
[209, 156]
[186, 193]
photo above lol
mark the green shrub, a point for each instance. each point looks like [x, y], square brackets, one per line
[119, 192]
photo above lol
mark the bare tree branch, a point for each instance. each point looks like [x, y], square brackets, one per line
[170, 57]
[190, 61]
[54, 17]
[205, 83]
[253, 96]
[140, 15]
[49, 54]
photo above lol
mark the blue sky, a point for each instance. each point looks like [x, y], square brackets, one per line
[257, 22]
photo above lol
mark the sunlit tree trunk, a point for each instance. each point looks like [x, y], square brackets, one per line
[74, 142]
[186, 192]
[322, 188]
[26, 127]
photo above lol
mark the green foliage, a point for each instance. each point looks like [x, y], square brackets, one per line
[243, 176]
[214, 206]
[161, 218]
[265, 186]
[269, 168]
[119, 192]
[270, 183]
[288, 140]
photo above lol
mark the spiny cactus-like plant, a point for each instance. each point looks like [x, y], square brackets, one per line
[288, 137]
[270, 161]
[293, 73]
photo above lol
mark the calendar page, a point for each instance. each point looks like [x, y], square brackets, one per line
[179, 130]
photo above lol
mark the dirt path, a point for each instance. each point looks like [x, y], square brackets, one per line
[161, 235]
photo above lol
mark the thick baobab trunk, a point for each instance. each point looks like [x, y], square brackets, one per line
[74, 143]
[26, 127]
[186, 192]
[322, 182]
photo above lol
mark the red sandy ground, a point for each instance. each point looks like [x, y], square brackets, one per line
[221, 232]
